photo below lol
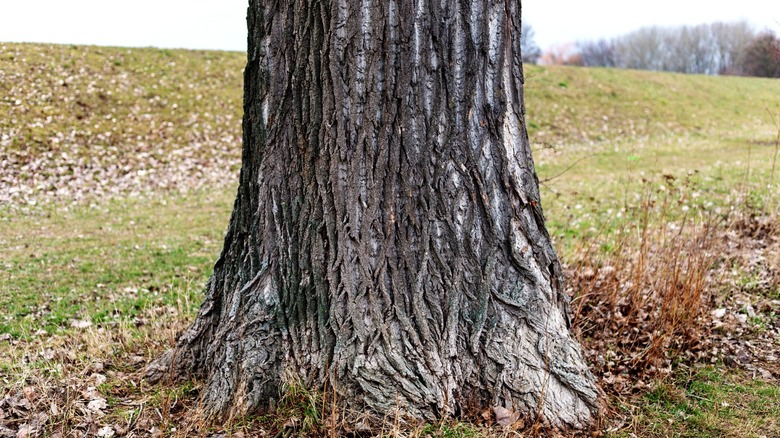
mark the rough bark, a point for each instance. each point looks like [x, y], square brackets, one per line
[387, 240]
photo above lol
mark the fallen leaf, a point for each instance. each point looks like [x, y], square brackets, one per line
[29, 393]
[291, 423]
[504, 416]
[106, 432]
[25, 431]
[98, 378]
[80, 324]
[97, 405]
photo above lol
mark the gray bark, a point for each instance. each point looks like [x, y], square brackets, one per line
[387, 239]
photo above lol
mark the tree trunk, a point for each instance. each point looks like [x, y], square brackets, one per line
[387, 240]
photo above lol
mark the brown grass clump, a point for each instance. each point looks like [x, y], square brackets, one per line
[643, 299]
[639, 289]
[676, 287]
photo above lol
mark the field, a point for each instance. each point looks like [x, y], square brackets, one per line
[119, 168]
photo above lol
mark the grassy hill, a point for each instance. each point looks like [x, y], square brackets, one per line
[583, 105]
[117, 176]
[78, 119]
[80, 122]
[57, 98]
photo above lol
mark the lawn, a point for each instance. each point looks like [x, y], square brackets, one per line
[118, 177]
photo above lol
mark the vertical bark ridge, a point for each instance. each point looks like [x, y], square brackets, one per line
[387, 234]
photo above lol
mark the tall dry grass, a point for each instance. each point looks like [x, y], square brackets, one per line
[640, 286]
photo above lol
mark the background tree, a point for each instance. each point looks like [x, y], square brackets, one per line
[531, 51]
[761, 57]
[599, 53]
[562, 54]
[387, 241]
[702, 49]
[729, 41]
[642, 49]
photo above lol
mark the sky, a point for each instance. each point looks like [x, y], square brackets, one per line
[190, 24]
[221, 24]
[563, 21]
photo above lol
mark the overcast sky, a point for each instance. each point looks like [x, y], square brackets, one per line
[563, 21]
[221, 24]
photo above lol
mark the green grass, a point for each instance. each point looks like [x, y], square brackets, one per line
[599, 140]
[711, 402]
[109, 262]
[60, 98]
[135, 264]
[82, 122]
[599, 104]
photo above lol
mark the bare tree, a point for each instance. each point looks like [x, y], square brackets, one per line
[387, 242]
[761, 57]
[729, 42]
[599, 53]
[530, 50]
[703, 49]
[641, 49]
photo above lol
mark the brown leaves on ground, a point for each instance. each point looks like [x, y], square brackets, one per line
[745, 317]
[681, 298]
[88, 382]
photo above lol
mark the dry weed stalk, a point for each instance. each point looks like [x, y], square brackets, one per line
[643, 299]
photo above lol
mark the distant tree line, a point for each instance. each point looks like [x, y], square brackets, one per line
[717, 48]
[528, 48]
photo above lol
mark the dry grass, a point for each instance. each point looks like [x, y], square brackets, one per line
[642, 297]
[671, 289]
[87, 380]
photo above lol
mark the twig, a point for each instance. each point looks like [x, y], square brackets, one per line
[777, 146]
[546, 180]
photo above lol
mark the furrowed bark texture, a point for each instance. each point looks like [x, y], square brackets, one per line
[387, 239]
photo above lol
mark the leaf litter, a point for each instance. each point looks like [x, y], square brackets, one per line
[622, 314]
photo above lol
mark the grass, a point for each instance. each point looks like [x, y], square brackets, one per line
[599, 104]
[81, 122]
[61, 98]
[98, 271]
[710, 403]
[107, 263]
[597, 138]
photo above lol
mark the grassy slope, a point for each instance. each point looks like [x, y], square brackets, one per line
[580, 105]
[75, 93]
[597, 133]
[79, 122]
[114, 262]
